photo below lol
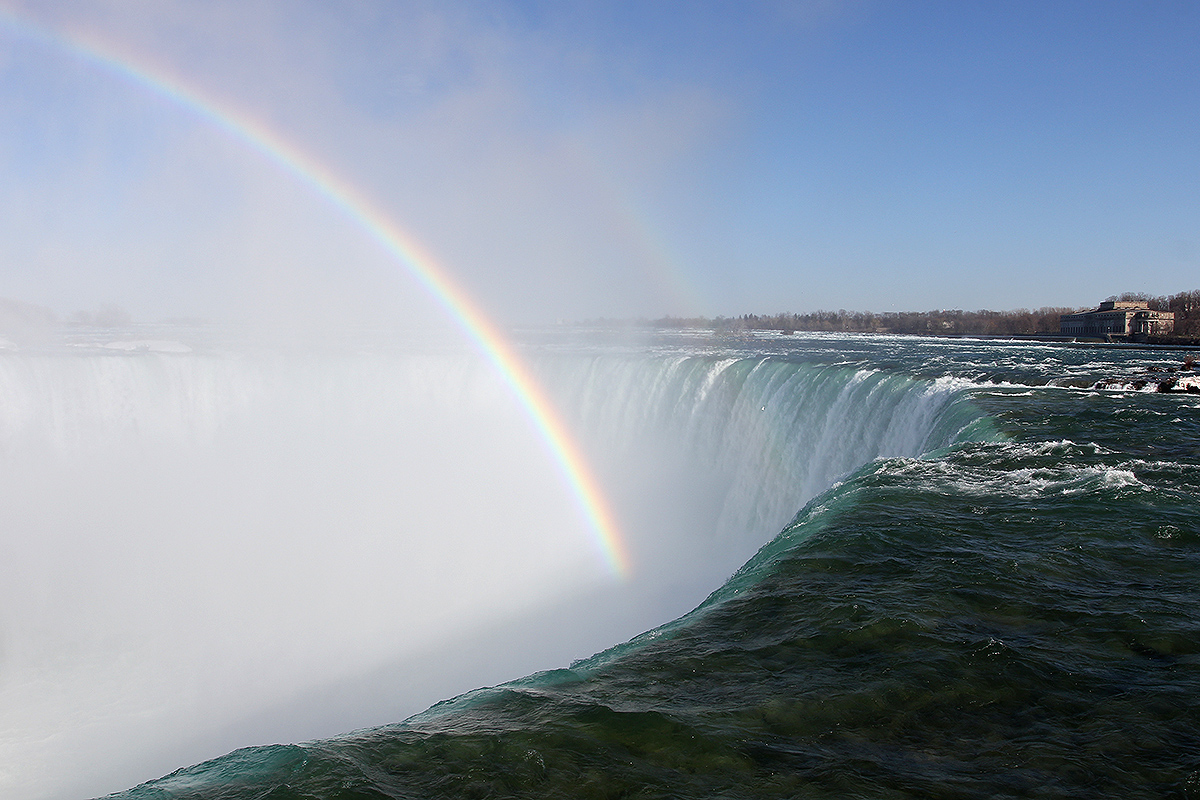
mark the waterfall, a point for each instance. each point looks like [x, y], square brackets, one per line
[722, 452]
[208, 550]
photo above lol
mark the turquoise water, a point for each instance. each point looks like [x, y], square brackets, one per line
[999, 601]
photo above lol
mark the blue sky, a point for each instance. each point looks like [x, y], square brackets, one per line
[571, 160]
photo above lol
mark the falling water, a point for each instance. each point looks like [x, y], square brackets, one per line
[213, 547]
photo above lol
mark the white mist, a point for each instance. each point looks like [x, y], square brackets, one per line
[191, 545]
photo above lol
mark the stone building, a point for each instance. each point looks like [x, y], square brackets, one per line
[1121, 317]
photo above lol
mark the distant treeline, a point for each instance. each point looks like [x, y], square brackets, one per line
[1020, 322]
[1186, 306]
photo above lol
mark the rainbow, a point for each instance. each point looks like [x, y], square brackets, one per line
[351, 202]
